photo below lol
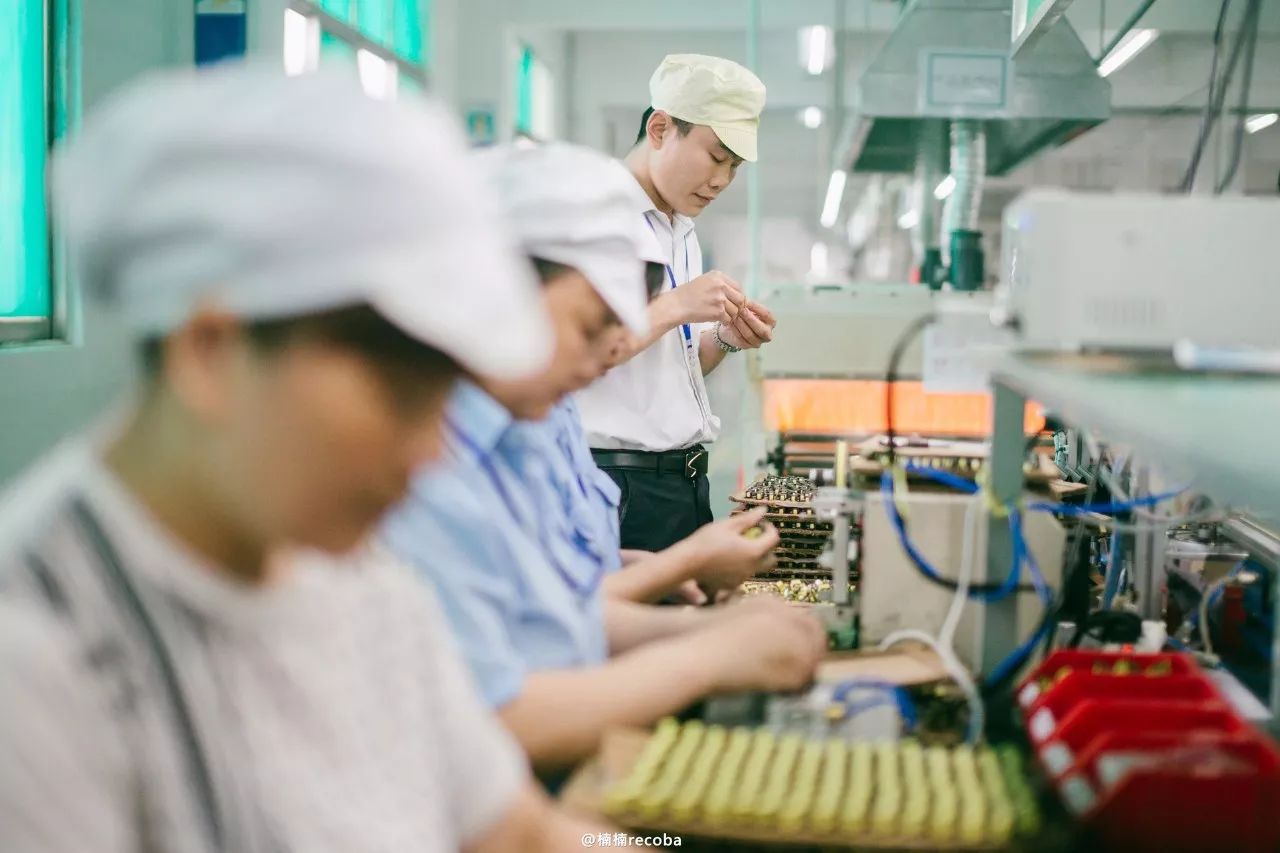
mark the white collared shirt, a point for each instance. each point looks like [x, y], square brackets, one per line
[333, 708]
[658, 400]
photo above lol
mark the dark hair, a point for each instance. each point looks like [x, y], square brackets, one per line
[682, 127]
[401, 359]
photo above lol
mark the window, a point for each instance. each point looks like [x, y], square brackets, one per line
[31, 111]
[384, 40]
[535, 101]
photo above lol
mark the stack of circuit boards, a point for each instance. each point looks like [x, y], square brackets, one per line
[788, 502]
[752, 784]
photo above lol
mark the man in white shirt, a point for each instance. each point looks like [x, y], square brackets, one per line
[188, 659]
[649, 420]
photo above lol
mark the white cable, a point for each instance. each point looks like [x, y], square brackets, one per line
[947, 636]
[977, 716]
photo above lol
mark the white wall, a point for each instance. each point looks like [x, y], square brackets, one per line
[49, 390]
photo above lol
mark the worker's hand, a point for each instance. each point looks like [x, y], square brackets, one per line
[724, 555]
[707, 299]
[751, 328]
[690, 593]
[769, 646]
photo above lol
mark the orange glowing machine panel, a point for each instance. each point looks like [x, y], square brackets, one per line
[843, 406]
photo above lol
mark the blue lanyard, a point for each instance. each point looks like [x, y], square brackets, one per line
[580, 589]
[671, 276]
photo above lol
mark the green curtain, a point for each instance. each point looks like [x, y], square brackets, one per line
[24, 135]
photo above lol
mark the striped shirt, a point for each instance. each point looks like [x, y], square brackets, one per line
[327, 712]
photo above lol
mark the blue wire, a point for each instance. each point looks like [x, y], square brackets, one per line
[1107, 508]
[946, 478]
[1020, 550]
[889, 692]
[1007, 588]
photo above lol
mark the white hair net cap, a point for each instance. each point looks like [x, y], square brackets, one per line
[273, 196]
[577, 207]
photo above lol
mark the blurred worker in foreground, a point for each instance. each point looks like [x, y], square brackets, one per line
[649, 420]
[186, 663]
[559, 660]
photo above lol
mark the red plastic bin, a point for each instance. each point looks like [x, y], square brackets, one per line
[1094, 719]
[1082, 663]
[1201, 791]
[1056, 704]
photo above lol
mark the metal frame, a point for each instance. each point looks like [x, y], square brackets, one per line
[61, 91]
[1006, 451]
[358, 40]
[1000, 627]
[1045, 17]
[20, 330]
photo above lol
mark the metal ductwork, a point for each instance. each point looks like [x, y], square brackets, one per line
[949, 59]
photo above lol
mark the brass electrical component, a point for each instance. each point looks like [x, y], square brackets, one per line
[707, 778]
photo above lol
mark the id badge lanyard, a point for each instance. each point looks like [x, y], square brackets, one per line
[685, 331]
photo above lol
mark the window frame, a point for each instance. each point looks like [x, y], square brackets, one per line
[61, 91]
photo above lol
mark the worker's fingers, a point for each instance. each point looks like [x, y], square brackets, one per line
[729, 282]
[734, 295]
[760, 328]
[768, 540]
[750, 338]
[762, 311]
[746, 520]
[690, 593]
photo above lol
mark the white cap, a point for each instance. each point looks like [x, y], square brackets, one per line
[273, 196]
[716, 92]
[577, 207]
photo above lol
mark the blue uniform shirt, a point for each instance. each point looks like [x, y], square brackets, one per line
[476, 526]
[592, 497]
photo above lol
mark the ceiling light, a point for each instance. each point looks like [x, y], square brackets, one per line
[909, 220]
[1261, 121]
[819, 260]
[815, 48]
[1130, 46]
[946, 188]
[835, 194]
[811, 117]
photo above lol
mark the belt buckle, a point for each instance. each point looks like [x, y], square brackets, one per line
[689, 460]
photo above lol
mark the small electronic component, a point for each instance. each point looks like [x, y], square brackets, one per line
[771, 487]
[707, 778]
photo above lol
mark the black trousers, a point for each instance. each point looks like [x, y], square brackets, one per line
[660, 509]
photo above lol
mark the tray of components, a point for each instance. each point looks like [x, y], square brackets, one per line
[755, 785]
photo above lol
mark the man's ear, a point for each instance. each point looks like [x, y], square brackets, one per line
[200, 362]
[657, 128]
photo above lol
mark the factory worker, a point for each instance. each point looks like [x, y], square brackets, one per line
[707, 563]
[559, 660]
[649, 421]
[186, 663]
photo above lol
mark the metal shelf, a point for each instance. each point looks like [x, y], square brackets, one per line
[1216, 429]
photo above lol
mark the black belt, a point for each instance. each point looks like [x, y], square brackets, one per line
[690, 462]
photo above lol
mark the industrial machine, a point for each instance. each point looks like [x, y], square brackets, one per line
[893, 594]
[949, 98]
[1130, 272]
